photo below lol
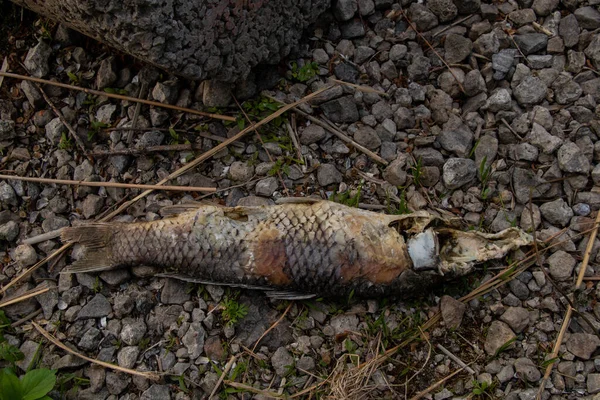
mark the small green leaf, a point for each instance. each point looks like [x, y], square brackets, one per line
[37, 383]
[10, 385]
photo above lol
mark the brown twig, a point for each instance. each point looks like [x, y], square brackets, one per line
[435, 385]
[145, 150]
[361, 88]
[342, 137]
[252, 389]
[149, 375]
[510, 128]
[414, 28]
[519, 49]
[460, 21]
[117, 96]
[136, 112]
[190, 131]
[66, 123]
[272, 326]
[457, 360]
[26, 318]
[295, 142]
[108, 184]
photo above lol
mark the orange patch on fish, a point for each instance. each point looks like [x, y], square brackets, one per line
[270, 257]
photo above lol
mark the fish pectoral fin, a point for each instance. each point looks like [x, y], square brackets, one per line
[176, 209]
[285, 295]
[209, 282]
[270, 292]
[297, 200]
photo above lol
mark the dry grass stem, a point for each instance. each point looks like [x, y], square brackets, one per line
[435, 385]
[588, 251]
[25, 273]
[3, 69]
[510, 128]
[223, 374]
[117, 96]
[152, 149]
[361, 88]
[43, 237]
[109, 184]
[452, 25]
[43, 288]
[457, 360]
[295, 142]
[149, 375]
[251, 389]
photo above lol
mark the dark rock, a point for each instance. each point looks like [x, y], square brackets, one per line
[36, 60]
[367, 137]
[422, 17]
[458, 172]
[487, 44]
[544, 8]
[328, 174]
[531, 90]
[457, 48]
[445, 10]
[582, 345]
[571, 159]
[499, 335]
[107, 73]
[341, 110]
[97, 307]
[345, 9]
[452, 311]
[588, 17]
[530, 43]
[346, 72]
[568, 29]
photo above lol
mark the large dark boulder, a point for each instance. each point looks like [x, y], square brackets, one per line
[197, 39]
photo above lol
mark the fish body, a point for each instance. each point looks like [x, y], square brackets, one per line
[301, 247]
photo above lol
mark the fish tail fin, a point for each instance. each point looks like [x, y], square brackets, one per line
[97, 238]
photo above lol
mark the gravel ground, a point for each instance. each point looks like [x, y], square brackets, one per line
[496, 124]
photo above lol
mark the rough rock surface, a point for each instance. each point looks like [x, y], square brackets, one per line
[195, 40]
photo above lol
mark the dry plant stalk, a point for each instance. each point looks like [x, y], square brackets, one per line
[569, 313]
[149, 375]
[43, 288]
[116, 96]
[109, 184]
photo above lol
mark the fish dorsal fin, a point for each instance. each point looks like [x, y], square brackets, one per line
[298, 200]
[176, 209]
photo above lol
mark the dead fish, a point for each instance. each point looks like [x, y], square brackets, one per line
[300, 248]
